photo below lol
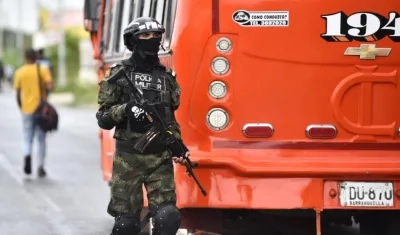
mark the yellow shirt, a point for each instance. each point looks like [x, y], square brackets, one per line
[26, 80]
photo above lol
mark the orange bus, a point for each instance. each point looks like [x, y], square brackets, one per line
[289, 107]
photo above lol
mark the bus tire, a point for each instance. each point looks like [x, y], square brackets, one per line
[393, 225]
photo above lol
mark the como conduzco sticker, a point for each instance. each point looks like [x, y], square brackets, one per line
[261, 18]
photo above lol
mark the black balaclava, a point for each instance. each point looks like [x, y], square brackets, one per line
[145, 55]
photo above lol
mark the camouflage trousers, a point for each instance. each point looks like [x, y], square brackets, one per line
[130, 172]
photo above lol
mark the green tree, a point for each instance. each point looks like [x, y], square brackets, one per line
[72, 58]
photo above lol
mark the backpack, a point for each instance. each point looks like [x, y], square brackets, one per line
[46, 115]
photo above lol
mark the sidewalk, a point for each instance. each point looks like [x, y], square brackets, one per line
[64, 98]
[57, 99]
[68, 99]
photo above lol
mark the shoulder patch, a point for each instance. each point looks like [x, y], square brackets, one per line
[109, 70]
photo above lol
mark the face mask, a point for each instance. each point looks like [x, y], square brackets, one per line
[149, 46]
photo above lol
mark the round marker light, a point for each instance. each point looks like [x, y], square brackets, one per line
[217, 119]
[220, 66]
[217, 90]
[224, 45]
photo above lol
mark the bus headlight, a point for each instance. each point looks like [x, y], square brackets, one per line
[224, 45]
[220, 66]
[217, 119]
[217, 90]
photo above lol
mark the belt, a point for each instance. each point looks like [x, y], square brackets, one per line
[155, 146]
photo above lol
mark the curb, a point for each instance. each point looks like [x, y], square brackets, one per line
[62, 98]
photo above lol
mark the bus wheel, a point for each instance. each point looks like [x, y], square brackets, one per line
[393, 226]
[380, 224]
[371, 224]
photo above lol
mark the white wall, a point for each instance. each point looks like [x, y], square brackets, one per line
[23, 14]
[87, 71]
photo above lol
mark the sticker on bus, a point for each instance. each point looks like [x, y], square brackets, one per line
[261, 18]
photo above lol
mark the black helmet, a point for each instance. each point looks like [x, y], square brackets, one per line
[139, 26]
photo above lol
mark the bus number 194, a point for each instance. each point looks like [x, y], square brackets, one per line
[361, 26]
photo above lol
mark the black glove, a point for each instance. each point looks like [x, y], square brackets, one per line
[135, 112]
[177, 147]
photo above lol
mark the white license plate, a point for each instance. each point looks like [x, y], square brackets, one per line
[366, 194]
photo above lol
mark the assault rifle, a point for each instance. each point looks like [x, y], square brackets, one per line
[158, 127]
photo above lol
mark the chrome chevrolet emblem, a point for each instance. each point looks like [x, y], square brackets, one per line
[367, 51]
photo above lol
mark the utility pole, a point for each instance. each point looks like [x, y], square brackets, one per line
[2, 12]
[20, 34]
[62, 79]
[1, 41]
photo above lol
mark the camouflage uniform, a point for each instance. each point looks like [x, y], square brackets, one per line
[132, 170]
[119, 108]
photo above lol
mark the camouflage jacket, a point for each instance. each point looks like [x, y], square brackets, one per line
[112, 103]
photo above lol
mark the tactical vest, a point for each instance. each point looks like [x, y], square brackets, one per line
[156, 90]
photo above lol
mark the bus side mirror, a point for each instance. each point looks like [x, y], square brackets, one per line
[91, 15]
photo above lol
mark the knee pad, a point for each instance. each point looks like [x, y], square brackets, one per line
[166, 220]
[125, 225]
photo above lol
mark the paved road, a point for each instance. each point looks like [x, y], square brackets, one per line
[73, 199]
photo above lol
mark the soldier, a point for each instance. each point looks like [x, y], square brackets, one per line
[154, 167]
